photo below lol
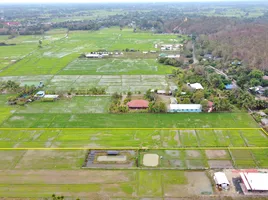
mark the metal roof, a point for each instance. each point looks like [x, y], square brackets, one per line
[196, 86]
[220, 178]
[185, 106]
[255, 181]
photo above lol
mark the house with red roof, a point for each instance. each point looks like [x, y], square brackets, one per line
[12, 23]
[138, 104]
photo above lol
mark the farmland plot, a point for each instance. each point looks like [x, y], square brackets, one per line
[115, 66]
[77, 104]
[112, 83]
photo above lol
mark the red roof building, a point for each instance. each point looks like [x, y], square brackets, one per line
[138, 104]
[265, 78]
[12, 23]
[210, 104]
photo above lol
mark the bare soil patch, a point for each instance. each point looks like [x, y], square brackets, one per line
[193, 154]
[216, 154]
[150, 160]
[198, 184]
[220, 164]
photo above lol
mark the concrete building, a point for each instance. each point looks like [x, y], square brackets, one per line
[185, 108]
[51, 96]
[255, 181]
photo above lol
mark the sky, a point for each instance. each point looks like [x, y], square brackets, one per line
[105, 1]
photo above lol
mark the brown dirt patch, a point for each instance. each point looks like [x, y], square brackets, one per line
[193, 154]
[216, 154]
[198, 184]
[220, 164]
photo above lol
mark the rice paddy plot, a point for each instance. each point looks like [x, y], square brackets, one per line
[137, 120]
[59, 50]
[102, 138]
[78, 104]
[115, 66]
[112, 83]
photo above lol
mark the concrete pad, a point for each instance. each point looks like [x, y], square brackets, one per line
[150, 160]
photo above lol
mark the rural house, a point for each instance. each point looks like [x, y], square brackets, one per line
[185, 108]
[196, 86]
[138, 104]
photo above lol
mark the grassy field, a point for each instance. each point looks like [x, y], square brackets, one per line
[74, 105]
[112, 83]
[33, 173]
[62, 49]
[115, 67]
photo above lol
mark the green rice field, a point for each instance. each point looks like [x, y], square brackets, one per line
[61, 49]
[115, 67]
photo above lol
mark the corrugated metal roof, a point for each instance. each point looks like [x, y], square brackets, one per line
[220, 178]
[138, 104]
[185, 106]
[255, 181]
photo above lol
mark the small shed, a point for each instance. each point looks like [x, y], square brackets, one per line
[262, 114]
[112, 153]
[51, 96]
[229, 86]
[264, 121]
[196, 86]
[40, 94]
[221, 180]
[164, 92]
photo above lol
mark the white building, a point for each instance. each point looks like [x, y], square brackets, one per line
[91, 55]
[51, 96]
[185, 108]
[255, 181]
[173, 56]
[163, 92]
[167, 47]
[221, 180]
[196, 86]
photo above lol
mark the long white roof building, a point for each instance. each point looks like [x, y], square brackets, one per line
[255, 181]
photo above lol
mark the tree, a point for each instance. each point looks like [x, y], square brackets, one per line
[186, 101]
[40, 43]
[265, 93]
[254, 82]
[204, 104]
[198, 96]
[255, 73]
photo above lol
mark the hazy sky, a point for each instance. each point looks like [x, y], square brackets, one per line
[100, 1]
